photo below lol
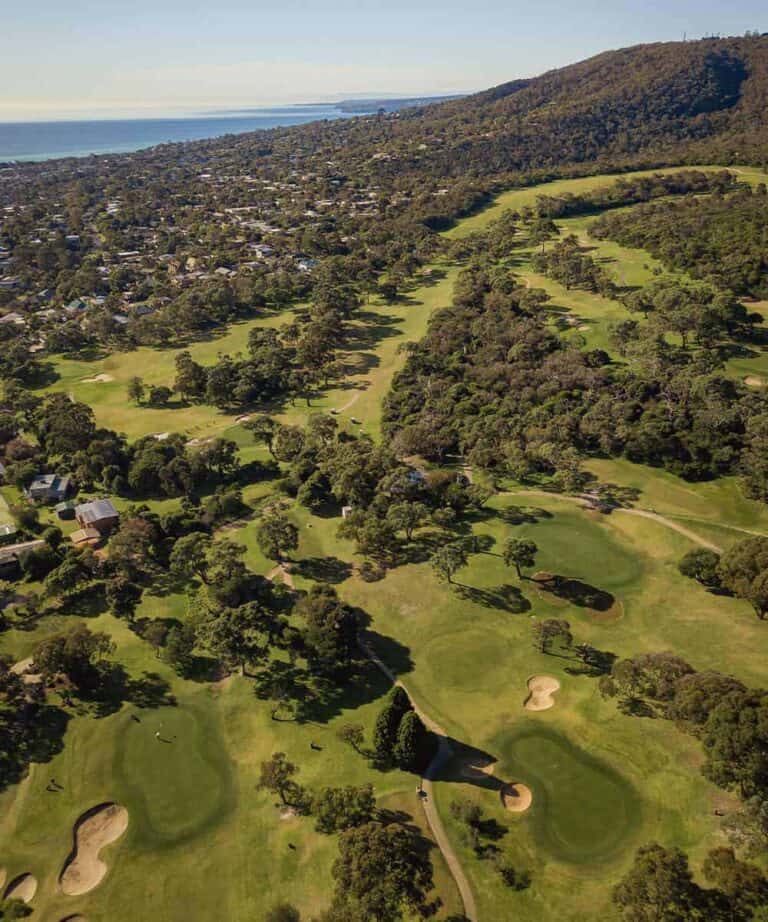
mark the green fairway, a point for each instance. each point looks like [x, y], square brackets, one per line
[583, 810]
[587, 315]
[180, 782]
[516, 199]
[203, 842]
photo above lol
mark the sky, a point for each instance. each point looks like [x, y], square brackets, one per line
[82, 58]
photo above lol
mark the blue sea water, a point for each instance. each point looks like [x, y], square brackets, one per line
[49, 140]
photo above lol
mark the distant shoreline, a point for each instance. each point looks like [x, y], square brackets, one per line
[37, 141]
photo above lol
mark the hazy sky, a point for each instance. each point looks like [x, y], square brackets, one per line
[60, 58]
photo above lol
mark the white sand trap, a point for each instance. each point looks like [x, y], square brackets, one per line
[243, 419]
[516, 797]
[96, 828]
[754, 381]
[23, 888]
[97, 379]
[541, 689]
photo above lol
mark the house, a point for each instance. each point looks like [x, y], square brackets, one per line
[8, 533]
[10, 556]
[76, 306]
[49, 488]
[9, 282]
[99, 514]
[13, 317]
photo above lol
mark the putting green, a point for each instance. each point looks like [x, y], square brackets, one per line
[583, 811]
[179, 785]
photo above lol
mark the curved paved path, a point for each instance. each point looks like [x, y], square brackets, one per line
[586, 502]
[443, 755]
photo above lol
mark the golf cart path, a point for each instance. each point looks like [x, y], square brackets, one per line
[443, 754]
[643, 513]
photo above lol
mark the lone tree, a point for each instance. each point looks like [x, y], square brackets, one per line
[381, 872]
[701, 564]
[277, 776]
[448, 560]
[337, 809]
[744, 570]
[136, 390]
[519, 553]
[354, 734]
[547, 632]
[263, 429]
[276, 534]
[407, 517]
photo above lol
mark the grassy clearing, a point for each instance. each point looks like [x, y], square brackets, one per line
[109, 400]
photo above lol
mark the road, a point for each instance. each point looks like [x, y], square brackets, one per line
[444, 754]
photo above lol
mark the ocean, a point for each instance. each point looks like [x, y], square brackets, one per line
[50, 140]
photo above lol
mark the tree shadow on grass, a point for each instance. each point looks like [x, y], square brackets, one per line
[203, 669]
[577, 592]
[506, 598]
[114, 687]
[34, 734]
[299, 696]
[323, 569]
[522, 515]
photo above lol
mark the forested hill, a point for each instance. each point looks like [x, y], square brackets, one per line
[705, 97]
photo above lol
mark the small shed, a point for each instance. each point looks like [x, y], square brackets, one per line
[8, 533]
[66, 510]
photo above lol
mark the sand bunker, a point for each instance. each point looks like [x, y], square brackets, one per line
[97, 379]
[541, 689]
[516, 797]
[96, 828]
[2, 877]
[754, 381]
[23, 888]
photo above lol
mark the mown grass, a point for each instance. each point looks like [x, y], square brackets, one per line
[583, 313]
[466, 653]
[204, 844]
